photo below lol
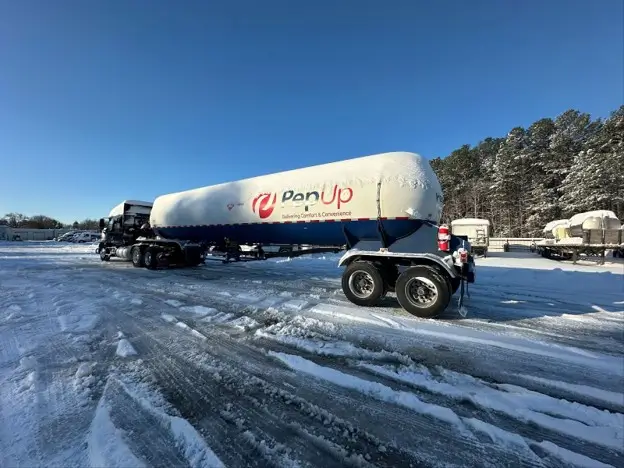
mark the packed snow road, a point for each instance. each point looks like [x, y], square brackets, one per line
[267, 364]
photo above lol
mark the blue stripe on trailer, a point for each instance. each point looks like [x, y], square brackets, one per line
[320, 233]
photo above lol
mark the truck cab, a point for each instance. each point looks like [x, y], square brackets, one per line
[124, 225]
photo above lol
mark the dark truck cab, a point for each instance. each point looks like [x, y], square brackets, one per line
[124, 225]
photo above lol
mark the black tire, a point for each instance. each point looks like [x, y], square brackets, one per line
[363, 284]
[432, 288]
[150, 259]
[104, 255]
[137, 257]
[195, 261]
[453, 283]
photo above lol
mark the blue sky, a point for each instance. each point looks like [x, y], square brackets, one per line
[102, 101]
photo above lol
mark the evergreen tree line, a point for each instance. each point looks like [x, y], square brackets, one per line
[551, 170]
[18, 220]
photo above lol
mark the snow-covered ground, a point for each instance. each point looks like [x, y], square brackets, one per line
[267, 364]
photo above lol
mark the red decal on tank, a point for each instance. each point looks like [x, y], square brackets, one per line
[265, 204]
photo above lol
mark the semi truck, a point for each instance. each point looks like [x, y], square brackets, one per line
[383, 210]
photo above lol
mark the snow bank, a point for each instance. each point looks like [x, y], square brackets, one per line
[106, 446]
[331, 348]
[583, 390]
[199, 310]
[125, 349]
[607, 429]
[367, 387]
[571, 458]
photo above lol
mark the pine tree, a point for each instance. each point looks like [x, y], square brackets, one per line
[542, 197]
[508, 182]
[552, 170]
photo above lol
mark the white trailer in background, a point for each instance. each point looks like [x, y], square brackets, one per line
[476, 230]
[591, 233]
[558, 229]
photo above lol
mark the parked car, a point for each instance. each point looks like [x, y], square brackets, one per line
[83, 237]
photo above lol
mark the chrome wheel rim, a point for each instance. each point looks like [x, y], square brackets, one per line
[421, 292]
[361, 284]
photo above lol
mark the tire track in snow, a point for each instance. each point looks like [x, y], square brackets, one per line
[468, 404]
[426, 348]
[208, 390]
[246, 312]
[244, 357]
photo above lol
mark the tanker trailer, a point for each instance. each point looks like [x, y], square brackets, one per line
[383, 209]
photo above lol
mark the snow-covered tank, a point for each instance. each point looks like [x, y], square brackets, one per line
[557, 229]
[596, 227]
[476, 230]
[315, 205]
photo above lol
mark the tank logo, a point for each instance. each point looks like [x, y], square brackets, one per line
[264, 204]
[338, 196]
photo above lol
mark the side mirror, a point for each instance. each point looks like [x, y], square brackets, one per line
[101, 224]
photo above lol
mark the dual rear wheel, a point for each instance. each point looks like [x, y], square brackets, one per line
[147, 257]
[421, 290]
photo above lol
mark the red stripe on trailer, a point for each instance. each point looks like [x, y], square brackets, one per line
[342, 220]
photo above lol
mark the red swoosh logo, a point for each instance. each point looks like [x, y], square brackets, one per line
[264, 204]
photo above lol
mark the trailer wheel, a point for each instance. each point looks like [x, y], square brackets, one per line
[362, 283]
[137, 257]
[423, 292]
[104, 255]
[150, 259]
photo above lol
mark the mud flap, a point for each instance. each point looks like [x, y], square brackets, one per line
[460, 302]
